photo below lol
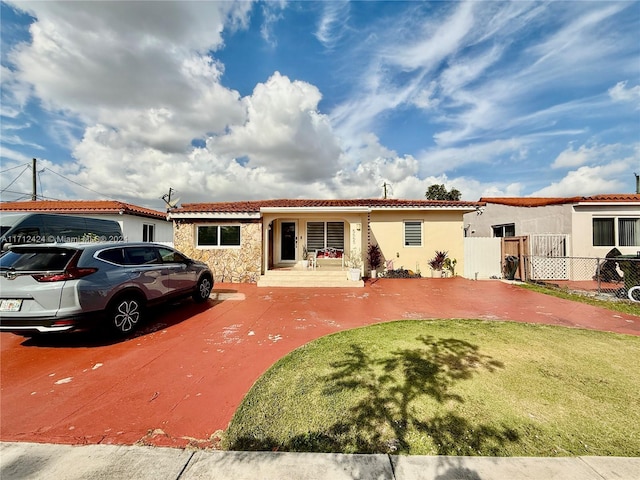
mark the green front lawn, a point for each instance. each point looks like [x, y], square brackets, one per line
[449, 387]
[618, 305]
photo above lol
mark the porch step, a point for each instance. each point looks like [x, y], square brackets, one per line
[307, 278]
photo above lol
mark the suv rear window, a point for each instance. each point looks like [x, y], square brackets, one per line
[37, 259]
[114, 255]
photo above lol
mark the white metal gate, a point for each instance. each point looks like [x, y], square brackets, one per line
[548, 254]
[482, 258]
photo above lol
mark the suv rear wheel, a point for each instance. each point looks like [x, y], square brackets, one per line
[126, 314]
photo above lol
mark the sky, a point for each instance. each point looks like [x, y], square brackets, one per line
[228, 101]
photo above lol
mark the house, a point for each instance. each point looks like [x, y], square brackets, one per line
[590, 226]
[137, 223]
[264, 241]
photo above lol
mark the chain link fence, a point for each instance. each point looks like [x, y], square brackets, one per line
[614, 277]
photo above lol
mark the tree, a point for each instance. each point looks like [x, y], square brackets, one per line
[439, 192]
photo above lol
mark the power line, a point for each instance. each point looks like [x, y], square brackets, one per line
[17, 166]
[26, 167]
[79, 184]
[27, 194]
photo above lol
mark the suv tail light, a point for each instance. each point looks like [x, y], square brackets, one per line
[71, 272]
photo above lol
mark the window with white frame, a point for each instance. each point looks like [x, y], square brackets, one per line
[625, 229]
[506, 230]
[148, 232]
[218, 236]
[412, 233]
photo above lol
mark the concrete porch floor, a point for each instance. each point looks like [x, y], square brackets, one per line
[325, 274]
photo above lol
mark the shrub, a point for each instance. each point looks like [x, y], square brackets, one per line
[437, 262]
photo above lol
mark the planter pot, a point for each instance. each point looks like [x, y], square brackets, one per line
[374, 273]
[305, 264]
[436, 274]
[354, 274]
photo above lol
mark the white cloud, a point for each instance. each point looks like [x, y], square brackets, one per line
[10, 154]
[284, 131]
[437, 40]
[574, 158]
[332, 23]
[272, 13]
[593, 155]
[620, 93]
[589, 181]
[439, 160]
[84, 58]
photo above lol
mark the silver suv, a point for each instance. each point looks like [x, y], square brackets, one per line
[73, 286]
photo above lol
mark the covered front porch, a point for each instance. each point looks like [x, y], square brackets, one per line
[313, 247]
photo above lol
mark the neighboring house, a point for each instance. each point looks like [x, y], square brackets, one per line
[243, 241]
[591, 226]
[138, 224]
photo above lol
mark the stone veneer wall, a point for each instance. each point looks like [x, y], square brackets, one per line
[236, 265]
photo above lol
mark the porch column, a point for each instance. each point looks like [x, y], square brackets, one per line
[266, 225]
[355, 230]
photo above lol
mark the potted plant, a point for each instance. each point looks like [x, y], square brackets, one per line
[354, 262]
[437, 263]
[374, 256]
[450, 265]
[305, 257]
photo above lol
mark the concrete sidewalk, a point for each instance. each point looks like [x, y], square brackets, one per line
[99, 462]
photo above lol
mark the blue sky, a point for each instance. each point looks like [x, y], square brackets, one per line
[227, 101]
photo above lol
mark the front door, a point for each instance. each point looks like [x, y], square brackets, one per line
[288, 241]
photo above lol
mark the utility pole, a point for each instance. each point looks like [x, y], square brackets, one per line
[34, 184]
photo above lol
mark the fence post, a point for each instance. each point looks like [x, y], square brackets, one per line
[598, 274]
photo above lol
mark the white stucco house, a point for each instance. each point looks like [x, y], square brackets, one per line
[591, 226]
[139, 224]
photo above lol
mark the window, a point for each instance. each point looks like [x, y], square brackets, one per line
[605, 234]
[48, 259]
[218, 236]
[321, 235]
[507, 230]
[141, 256]
[113, 255]
[148, 233]
[413, 234]
[629, 232]
[171, 256]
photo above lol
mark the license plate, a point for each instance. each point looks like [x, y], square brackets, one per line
[10, 305]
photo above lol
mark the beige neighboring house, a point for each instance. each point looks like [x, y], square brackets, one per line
[589, 226]
[265, 241]
[138, 224]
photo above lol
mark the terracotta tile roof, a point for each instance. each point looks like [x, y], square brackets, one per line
[544, 201]
[255, 206]
[80, 207]
[613, 197]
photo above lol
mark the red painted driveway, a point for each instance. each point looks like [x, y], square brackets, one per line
[180, 380]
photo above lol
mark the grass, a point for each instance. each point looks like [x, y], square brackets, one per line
[449, 387]
[624, 306]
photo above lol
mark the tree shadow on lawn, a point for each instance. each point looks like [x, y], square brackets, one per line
[388, 390]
